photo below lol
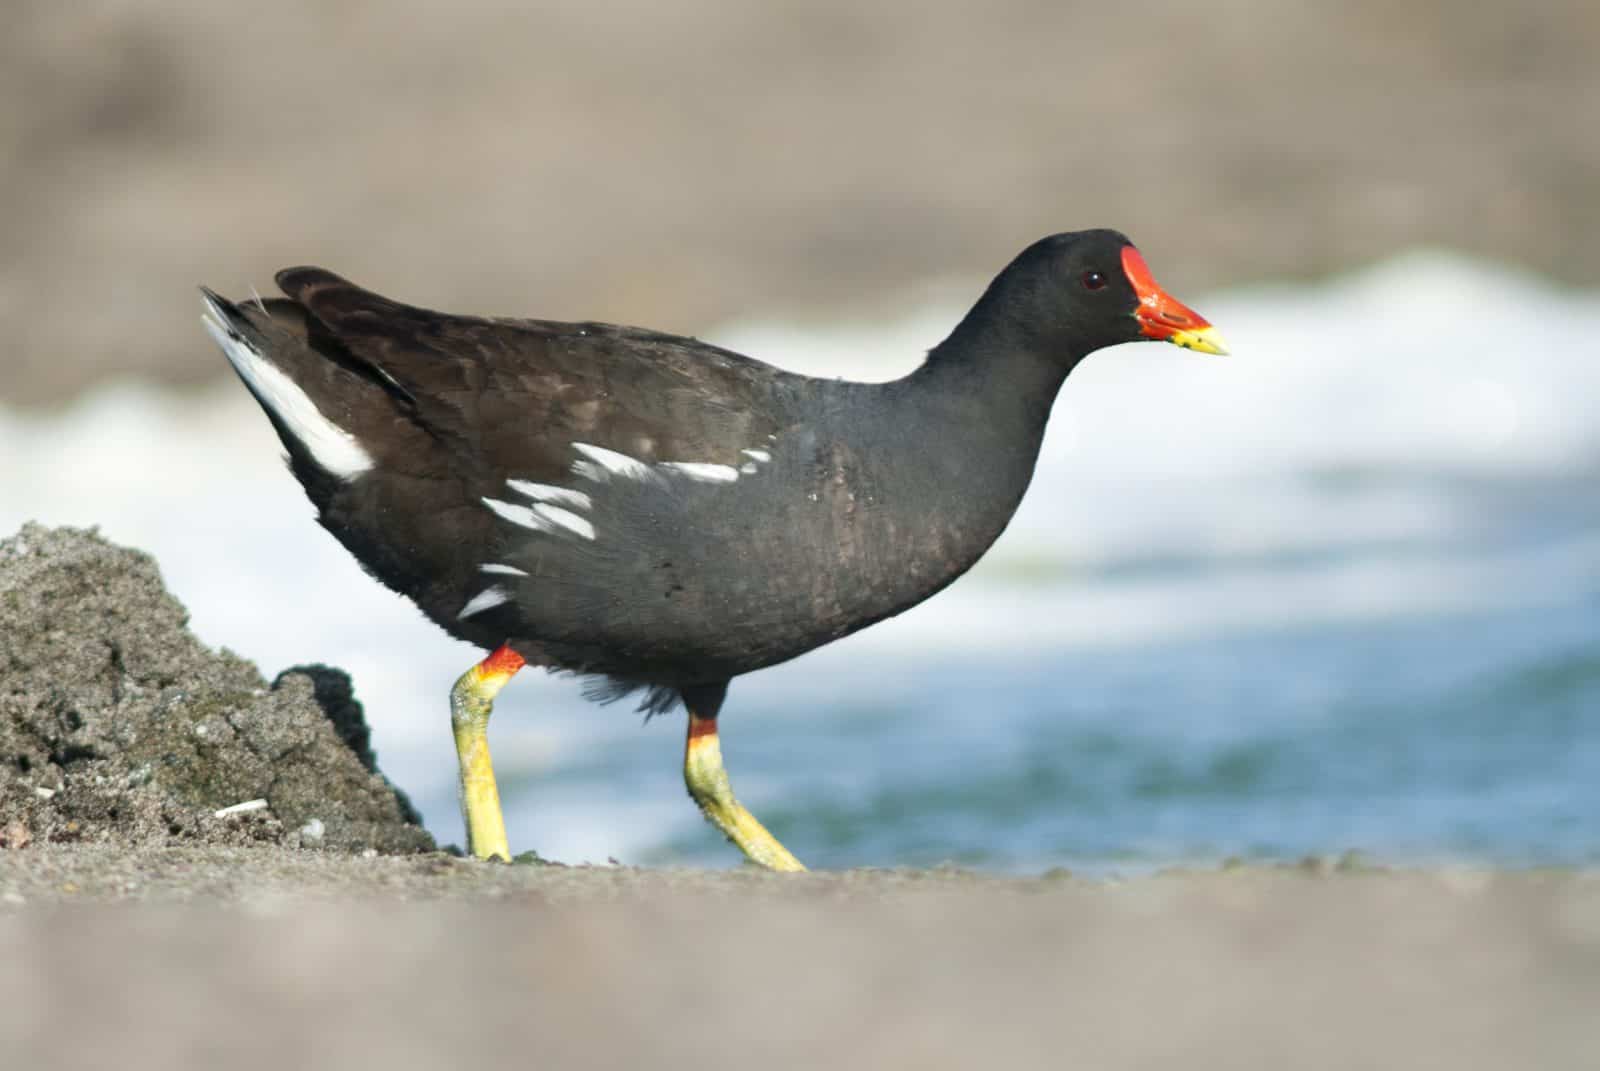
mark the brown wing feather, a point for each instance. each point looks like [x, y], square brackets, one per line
[512, 396]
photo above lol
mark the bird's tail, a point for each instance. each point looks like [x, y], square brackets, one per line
[296, 387]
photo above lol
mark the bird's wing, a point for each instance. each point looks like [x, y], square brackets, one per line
[514, 398]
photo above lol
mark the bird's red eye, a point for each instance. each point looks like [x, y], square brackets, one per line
[1093, 280]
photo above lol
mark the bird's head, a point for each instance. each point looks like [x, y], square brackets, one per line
[1073, 293]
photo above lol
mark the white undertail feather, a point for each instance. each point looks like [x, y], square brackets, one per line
[502, 570]
[333, 448]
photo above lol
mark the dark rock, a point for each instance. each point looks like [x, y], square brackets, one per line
[336, 695]
[117, 725]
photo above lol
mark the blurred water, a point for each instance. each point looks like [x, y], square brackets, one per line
[1341, 590]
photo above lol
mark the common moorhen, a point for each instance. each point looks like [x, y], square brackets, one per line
[654, 513]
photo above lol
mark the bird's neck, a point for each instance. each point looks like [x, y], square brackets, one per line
[989, 383]
[965, 435]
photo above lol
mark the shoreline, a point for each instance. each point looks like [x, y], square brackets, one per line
[240, 874]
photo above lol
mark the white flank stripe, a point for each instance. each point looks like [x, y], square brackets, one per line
[544, 492]
[566, 519]
[517, 514]
[502, 570]
[759, 455]
[610, 463]
[542, 517]
[487, 599]
[706, 473]
[333, 448]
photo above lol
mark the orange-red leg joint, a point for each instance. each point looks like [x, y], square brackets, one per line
[709, 787]
[471, 703]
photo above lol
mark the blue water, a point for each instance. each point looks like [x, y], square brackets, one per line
[1472, 737]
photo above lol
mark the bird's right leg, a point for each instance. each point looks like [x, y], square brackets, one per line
[708, 784]
[471, 703]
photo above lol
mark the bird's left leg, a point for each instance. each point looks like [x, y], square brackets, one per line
[471, 703]
[708, 783]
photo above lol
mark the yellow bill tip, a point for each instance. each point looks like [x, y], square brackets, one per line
[1202, 340]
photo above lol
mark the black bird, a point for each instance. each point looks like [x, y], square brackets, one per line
[655, 513]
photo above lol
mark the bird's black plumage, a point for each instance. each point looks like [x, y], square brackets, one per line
[649, 509]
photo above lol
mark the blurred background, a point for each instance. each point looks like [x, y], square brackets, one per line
[1338, 591]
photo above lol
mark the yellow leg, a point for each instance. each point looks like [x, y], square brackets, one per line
[709, 787]
[471, 703]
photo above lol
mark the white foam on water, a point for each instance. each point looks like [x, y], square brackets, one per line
[1336, 426]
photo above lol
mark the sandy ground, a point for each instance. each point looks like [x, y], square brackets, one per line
[680, 165]
[258, 957]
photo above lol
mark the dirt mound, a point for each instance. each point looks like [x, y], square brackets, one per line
[116, 724]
